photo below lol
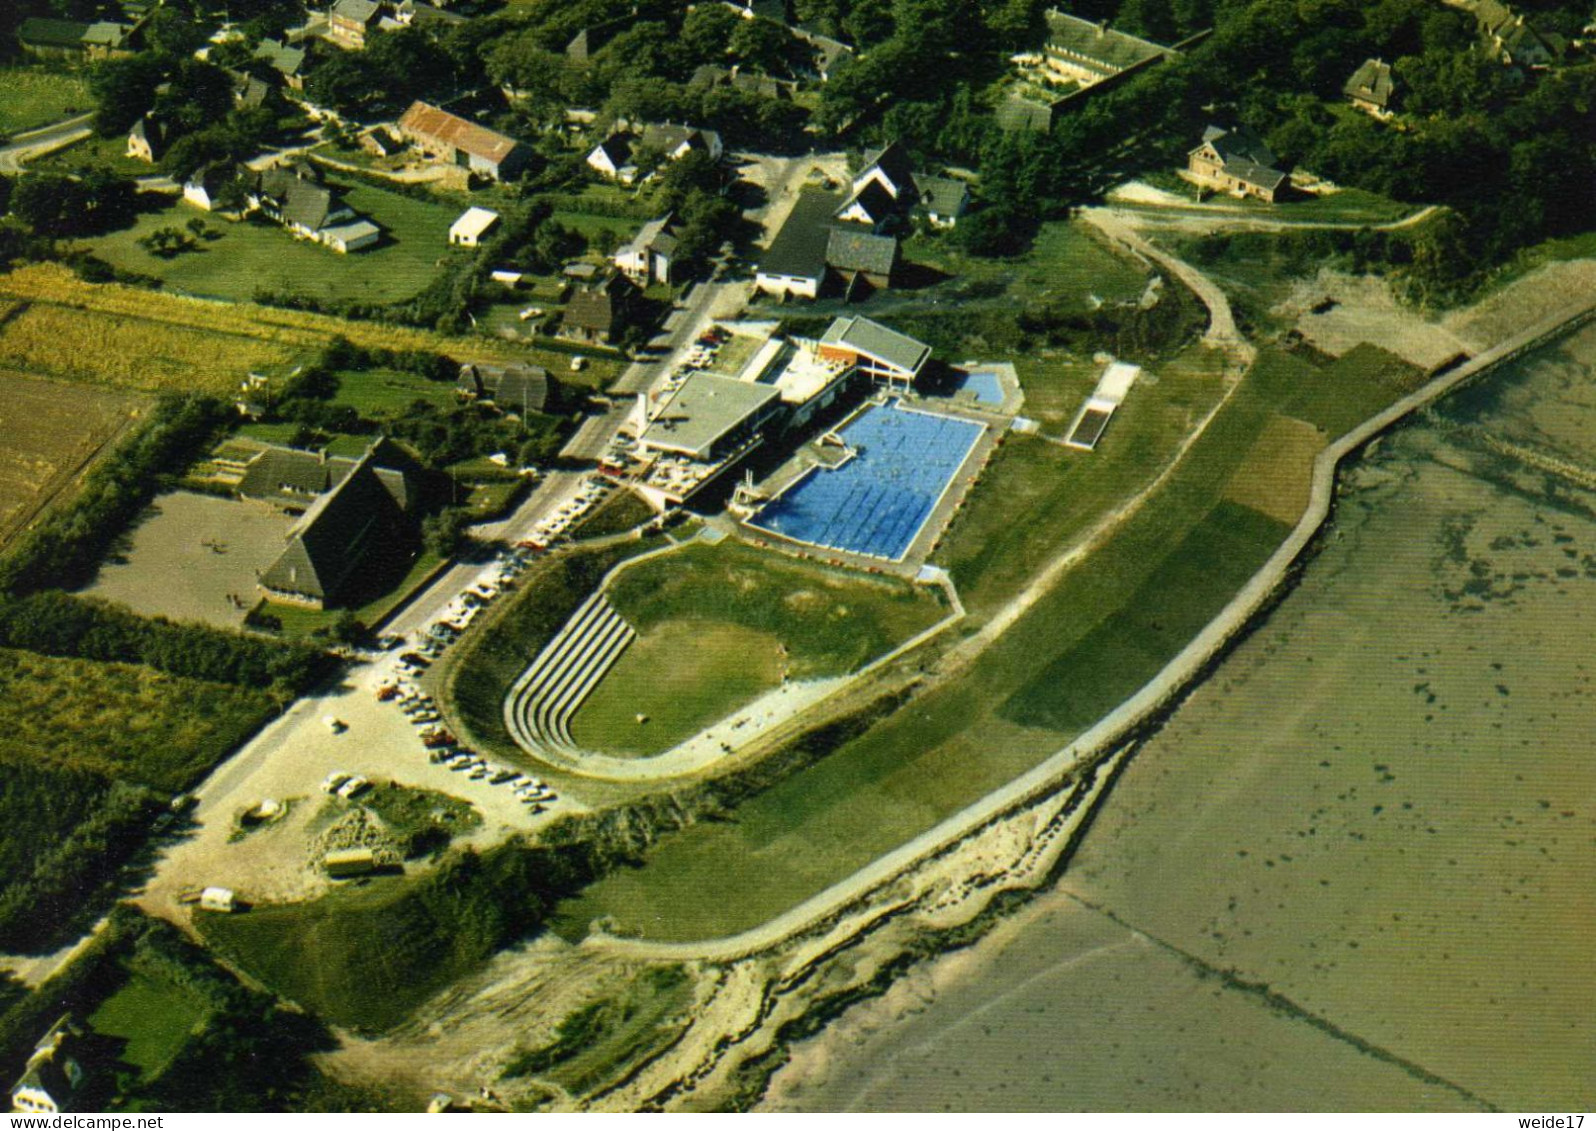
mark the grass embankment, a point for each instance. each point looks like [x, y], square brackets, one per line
[135, 338]
[720, 625]
[241, 258]
[36, 96]
[1096, 636]
[487, 665]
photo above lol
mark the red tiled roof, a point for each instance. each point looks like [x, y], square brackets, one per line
[448, 129]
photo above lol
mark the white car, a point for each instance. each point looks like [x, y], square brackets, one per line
[353, 788]
[334, 781]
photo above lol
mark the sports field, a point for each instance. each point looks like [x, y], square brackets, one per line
[720, 625]
[48, 432]
[876, 503]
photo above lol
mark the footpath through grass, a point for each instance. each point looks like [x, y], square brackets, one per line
[1084, 647]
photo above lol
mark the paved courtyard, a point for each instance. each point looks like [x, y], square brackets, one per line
[188, 553]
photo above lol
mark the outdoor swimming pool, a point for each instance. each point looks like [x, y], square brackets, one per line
[876, 503]
[984, 384]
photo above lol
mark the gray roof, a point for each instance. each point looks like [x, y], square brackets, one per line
[40, 31]
[860, 250]
[350, 231]
[878, 341]
[334, 537]
[291, 475]
[285, 59]
[799, 248]
[894, 162]
[594, 307]
[309, 205]
[942, 195]
[360, 11]
[1245, 156]
[666, 137]
[250, 91]
[1096, 45]
[704, 410]
[107, 34]
[1371, 83]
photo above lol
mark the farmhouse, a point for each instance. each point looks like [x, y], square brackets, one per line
[1371, 88]
[473, 224]
[342, 529]
[885, 190]
[54, 1075]
[612, 157]
[146, 141]
[513, 388]
[291, 479]
[875, 350]
[51, 39]
[649, 256]
[446, 137]
[1235, 161]
[1077, 56]
[1513, 41]
[107, 40]
[598, 311]
[294, 197]
[350, 21]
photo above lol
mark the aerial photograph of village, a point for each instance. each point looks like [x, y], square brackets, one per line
[798, 556]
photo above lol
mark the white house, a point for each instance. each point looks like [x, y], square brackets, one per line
[650, 256]
[473, 224]
[612, 158]
[53, 1075]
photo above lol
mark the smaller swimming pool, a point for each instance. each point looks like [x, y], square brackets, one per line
[984, 383]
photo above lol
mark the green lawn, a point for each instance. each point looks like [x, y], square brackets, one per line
[154, 1018]
[388, 392]
[1064, 263]
[36, 96]
[1060, 491]
[99, 152]
[250, 256]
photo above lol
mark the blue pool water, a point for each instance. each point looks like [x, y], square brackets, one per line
[984, 384]
[877, 502]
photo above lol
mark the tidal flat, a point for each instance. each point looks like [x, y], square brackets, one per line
[1354, 870]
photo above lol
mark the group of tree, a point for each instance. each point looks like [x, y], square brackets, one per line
[58, 206]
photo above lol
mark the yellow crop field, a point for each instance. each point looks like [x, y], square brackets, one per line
[129, 352]
[150, 340]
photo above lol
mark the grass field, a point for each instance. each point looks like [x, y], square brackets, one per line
[109, 153]
[388, 392]
[249, 256]
[1161, 574]
[122, 720]
[35, 96]
[128, 336]
[48, 431]
[1064, 263]
[153, 1018]
[721, 624]
[1060, 491]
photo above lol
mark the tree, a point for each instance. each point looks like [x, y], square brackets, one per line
[198, 94]
[444, 532]
[708, 30]
[123, 90]
[763, 45]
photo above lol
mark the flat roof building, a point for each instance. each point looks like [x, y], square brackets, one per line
[709, 415]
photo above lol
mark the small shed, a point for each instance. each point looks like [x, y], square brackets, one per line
[473, 224]
[344, 863]
[218, 899]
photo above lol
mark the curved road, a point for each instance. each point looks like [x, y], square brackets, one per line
[24, 147]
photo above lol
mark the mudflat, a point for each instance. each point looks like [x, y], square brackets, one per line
[1353, 870]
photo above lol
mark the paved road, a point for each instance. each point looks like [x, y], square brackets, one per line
[24, 147]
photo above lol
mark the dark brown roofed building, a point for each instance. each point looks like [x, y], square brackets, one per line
[1236, 161]
[598, 311]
